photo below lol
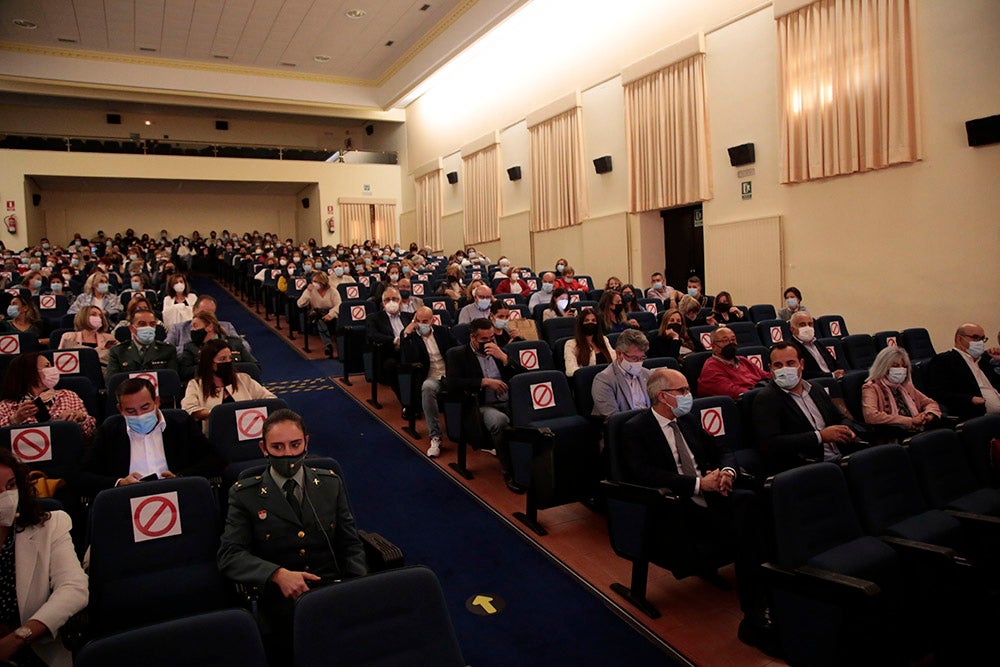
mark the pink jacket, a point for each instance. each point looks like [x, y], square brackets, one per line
[879, 407]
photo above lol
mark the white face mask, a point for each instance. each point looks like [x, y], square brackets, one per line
[786, 378]
[897, 375]
[562, 303]
[806, 334]
[976, 348]
[392, 307]
[633, 368]
[49, 376]
[8, 507]
[792, 302]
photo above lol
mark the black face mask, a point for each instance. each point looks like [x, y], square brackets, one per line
[286, 466]
[627, 298]
[676, 326]
[224, 369]
[722, 307]
[589, 329]
[404, 294]
[198, 336]
[619, 309]
[728, 352]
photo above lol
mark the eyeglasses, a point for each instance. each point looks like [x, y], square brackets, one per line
[975, 337]
[634, 358]
[680, 391]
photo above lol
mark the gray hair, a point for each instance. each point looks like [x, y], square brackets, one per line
[632, 338]
[884, 361]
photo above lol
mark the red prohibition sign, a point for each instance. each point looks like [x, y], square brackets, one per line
[352, 292]
[529, 359]
[706, 341]
[47, 302]
[248, 423]
[9, 344]
[835, 328]
[67, 362]
[417, 288]
[438, 305]
[756, 361]
[357, 313]
[890, 341]
[776, 334]
[651, 308]
[515, 314]
[542, 395]
[27, 447]
[711, 421]
[164, 506]
[300, 284]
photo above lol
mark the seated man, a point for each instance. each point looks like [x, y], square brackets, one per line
[479, 308]
[180, 334]
[544, 295]
[287, 530]
[385, 328]
[818, 362]
[407, 302]
[425, 343]
[665, 447]
[694, 290]
[483, 367]
[964, 379]
[144, 443]
[622, 385]
[659, 289]
[725, 373]
[143, 352]
[796, 422]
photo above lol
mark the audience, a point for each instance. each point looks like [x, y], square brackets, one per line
[622, 385]
[690, 308]
[544, 293]
[589, 346]
[97, 292]
[558, 304]
[216, 382]
[180, 334]
[22, 317]
[964, 379]
[178, 302]
[724, 311]
[385, 329]
[514, 283]
[888, 397]
[500, 317]
[612, 315]
[569, 281]
[480, 307]
[29, 395]
[205, 328]
[659, 289]
[407, 302]
[725, 373]
[425, 343]
[694, 291]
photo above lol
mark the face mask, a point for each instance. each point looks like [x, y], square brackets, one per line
[317, 286]
[560, 267]
[317, 265]
[132, 256]
[198, 336]
[35, 266]
[179, 287]
[307, 267]
[224, 369]
[786, 378]
[728, 352]
[291, 268]
[619, 309]
[102, 288]
[424, 329]
[721, 307]
[976, 348]
[627, 298]
[483, 304]
[145, 335]
[285, 465]
[283, 262]
[296, 259]
[693, 291]
[514, 277]
[589, 329]
[8, 507]
[897, 375]
[675, 326]
[49, 376]
[500, 324]
[633, 368]
[136, 285]
[143, 424]
[405, 270]
[657, 285]
[339, 272]
[13, 311]
[56, 288]
[393, 277]
[684, 404]
[36, 283]
[547, 288]
[404, 294]
[562, 303]
[807, 334]
[95, 322]
[74, 262]
[368, 260]
[67, 277]
[391, 307]
[792, 302]
[45, 246]
[473, 254]
[504, 269]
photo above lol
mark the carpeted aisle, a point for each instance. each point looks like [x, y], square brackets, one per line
[549, 619]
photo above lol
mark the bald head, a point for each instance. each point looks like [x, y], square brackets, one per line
[801, 319]
[664, 380]
[967, 333]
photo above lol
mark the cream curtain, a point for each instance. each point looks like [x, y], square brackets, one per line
[666, 130]
[558, 185]
[385, 224]
[430, 204]
[481, 172]
[356, 220]
[847, 88]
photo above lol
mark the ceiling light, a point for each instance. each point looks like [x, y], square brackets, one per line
[355, 13]
[322, 58]
[149, 122]
[25, 23]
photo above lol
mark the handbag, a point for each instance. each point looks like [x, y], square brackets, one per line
[995, 455]
[44, 486]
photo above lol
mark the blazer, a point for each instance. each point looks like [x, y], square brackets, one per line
[247, 389]
[72, 339]
[413, 350]
[465, 373]
[648, 460]
[784, 434]
[610, 391]
[569, 356]
[186, 448]
[950, 381]
[51, 585]
[380, 329]
[880, 408]
[810, 367]
[180, 335]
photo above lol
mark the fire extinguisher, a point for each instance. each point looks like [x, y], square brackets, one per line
[329, 224]
[11, 222]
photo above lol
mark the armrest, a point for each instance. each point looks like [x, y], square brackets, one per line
[932, 554]
[642, 495]
[823, 584]
[983, 520]
[534, 435]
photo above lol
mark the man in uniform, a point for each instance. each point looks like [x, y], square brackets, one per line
[143, 352]
[287, 530]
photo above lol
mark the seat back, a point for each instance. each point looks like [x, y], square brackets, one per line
[87, 392]
[353, 291]
[234, 429]
[851, 383]
[153, 553]
[226, 638]
[167, 384]
[771, 331]
[613, 436]
[883, 487]
[917, 342]
[941, 467]
[54, 448]
[653, 306]
[691, 367]
[720, 419]
[884, 339]
[859, 351]
[746, 332]
[762, 311]
[440, 303]
[645, 319]
[51, 307]
[539, 396]
[835, 348]
[78, 361]
[661, 362]
[583, 383]
[531, 355]
[397, 617]
[702, 337]
[756, 354]
[555, 328]
[18, 343]
[354, 313]
[977, 438]
[831, 326]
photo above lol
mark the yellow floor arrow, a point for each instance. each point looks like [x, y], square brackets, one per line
[484, 602]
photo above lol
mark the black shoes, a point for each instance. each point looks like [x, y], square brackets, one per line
[512, 486]
[761, 633]
[329, 351]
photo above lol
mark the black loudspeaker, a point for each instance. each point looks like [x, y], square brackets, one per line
[369, 130]
[742, 154]
[305, 202]
[514, 173]
[222, 125]
[602, 164]
[452, 177]
[983, 131]
[114, 119]
[36, 199]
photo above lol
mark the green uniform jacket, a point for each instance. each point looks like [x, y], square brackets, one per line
[262, 532]
[125, 358]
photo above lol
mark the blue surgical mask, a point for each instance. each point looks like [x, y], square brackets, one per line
[786, 378]
[56, 288]
[338, 272]
[13, 311]
[500, 324]
[633, 368]
[693, 291]
[102, 288]
[792, 302]
[423, 329]
[684, 404]
[658, 285]
[145, 335]
[483, 304]
[976, 348]
[547, 288]
[136, 285]
[36, 283]
[405, 270]
[143, 424]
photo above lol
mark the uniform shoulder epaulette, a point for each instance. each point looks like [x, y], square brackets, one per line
[248, 482]
[323, 471]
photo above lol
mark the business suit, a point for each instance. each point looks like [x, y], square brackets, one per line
[810, 368]
[785, 435]
[611, 393]
[379, 332]
[950, 381]
[412, 348]
[51, 585]
[127, 358]
[187, 451]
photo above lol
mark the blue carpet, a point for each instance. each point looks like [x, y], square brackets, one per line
[549, 620]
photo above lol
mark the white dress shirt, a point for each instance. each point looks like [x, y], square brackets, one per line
[147, 456]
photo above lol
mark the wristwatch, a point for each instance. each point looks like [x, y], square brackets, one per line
[24, 633]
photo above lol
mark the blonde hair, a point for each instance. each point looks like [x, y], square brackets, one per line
[82, 319]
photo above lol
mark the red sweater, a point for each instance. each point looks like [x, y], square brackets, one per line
[720, 379]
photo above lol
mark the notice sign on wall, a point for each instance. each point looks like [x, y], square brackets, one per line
[746, 189]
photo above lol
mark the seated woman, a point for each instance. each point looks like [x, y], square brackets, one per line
[23, 317]
[324, 301]
[178, 304]
[500, 316]
[59, 286]
[216, 382]
[452, 286]
[888, 396]
[28, 395]
[589, 345]
[569, 281]
[611, 313]
[514, 283]
[138, 282]
[97, 292]
[205, 327]
[672, 339]
[690, 308]
[90, 329]
[558, 305]
[630, 298]
[43, 583]
[33, 282]
[724, 311]
[613, 283]
[793, 304]
[469, 293]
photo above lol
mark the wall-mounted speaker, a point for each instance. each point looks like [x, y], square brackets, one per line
[222, 125]
[983, 131]
[369, 130]
[452, 177]
[742, 154]
[36, 199]
[305, 202]
[514, 173]
[114, 119]
[602, 164]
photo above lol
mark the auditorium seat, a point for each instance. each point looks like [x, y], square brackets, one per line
[762, 311]
[771, 331]
[977, 437]
[917, 342]
[831, 326]
[945, 476]
[168, 388]
[884, 339]
[859, 351]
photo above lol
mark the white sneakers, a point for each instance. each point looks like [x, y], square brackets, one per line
[434, 450]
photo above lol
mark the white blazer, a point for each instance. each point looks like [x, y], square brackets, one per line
[51, 584]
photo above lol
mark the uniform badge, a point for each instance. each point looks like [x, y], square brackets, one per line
[262, 515]
[316, 481]
[263, 490]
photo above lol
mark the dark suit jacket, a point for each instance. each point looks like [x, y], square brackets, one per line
[380, 330]
[950, 381]
[648, 460]
[465, 374]
[784, 434]
[187, 450]
[413, 350]
[811, 368]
